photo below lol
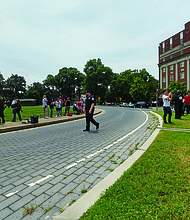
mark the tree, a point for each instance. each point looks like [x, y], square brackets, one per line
[69, 79]
[98, 78]
[176, 85]
[36, 91]
[17, 85]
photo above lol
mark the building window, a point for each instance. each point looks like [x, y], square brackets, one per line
[171, 67]
[182, 75]
[170, 43]
[182, 64]
[164, 79]
[181, 52]
[164, 69]
[163, 47]
[181, 38]
[171, 56]
[163, 59]
[171, 78]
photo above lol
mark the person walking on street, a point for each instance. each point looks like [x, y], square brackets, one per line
[45, 106]
[187, 103]
[167, 98]
[16, 105]
[89, 110]
[2, 107]
[178, 98]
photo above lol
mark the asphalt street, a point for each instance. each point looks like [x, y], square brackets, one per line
[50, 167]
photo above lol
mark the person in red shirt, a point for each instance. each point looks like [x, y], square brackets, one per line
[187, 103]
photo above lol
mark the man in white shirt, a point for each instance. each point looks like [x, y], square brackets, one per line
[167, 98]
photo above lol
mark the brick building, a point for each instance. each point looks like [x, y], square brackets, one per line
[174, 58]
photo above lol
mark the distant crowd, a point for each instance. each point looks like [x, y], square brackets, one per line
[59, 103]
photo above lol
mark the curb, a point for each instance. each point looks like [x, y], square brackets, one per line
[45, 123]
[77, 209]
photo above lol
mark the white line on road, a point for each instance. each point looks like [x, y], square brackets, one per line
[39, 181]
[110, 145]
[31, 184]
[11, 194]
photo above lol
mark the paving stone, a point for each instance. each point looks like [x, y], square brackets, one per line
[69, 179]
[9, 201]
[5, 212]
[38, 212]
[27, 190]
[16, 215]
[80, 187]
[68, 188]
[42, 189]
[20, 203]
[80, 178]
[67, 200]
[55, 189]
[52, 201]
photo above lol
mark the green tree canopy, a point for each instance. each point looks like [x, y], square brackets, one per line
[176, 85]
[98, 78]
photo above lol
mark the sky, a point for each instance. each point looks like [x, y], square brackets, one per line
[39, 37]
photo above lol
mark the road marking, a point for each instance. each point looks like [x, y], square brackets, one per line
[39, 181]
[110, 145]
[31, 184]
[11, 194]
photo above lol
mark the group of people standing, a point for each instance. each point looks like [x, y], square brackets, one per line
[181, 104]
[59, 103]
[16, 106]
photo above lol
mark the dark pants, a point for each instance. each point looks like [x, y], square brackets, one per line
[89, 118]
[16, 111]
[2, 115]
[187, 108]
[178, 111]
[167, 110]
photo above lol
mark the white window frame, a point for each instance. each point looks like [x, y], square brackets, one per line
[171, 78]
[171, 67]
[164, 69]
[182, 64]
[164, 79]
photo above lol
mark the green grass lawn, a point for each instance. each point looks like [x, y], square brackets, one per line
[28, 111]
[157, 186]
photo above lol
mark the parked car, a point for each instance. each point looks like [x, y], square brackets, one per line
[123, 104]
[141, 104]
[131, 105]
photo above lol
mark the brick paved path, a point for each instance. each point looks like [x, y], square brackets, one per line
[50, 167]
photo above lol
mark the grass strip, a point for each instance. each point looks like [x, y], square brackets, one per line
[155, 187]
[28, 111]
[183, 123]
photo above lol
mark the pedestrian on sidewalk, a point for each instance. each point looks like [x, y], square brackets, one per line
[61, 101]
[178, 98]
[51, 105]
[67, 106]
[167, 98]
[45, 107]
[58, 107]
[89, 110]
[16, 105]
[187, 103]
[2, 107]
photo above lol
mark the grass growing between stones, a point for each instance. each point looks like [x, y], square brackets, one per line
[157, 186]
